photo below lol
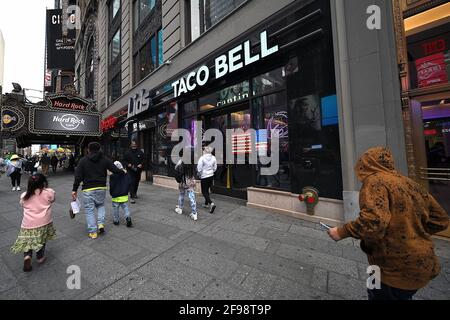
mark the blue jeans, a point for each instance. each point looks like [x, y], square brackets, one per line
[94, 199]
[116, 209]
[191, 197]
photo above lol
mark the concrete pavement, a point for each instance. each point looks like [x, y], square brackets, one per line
[237, 253]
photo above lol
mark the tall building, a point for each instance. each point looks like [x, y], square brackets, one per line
[316, 70]
[2, 58]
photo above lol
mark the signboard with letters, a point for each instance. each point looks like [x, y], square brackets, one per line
[60, 51]
[45, 121]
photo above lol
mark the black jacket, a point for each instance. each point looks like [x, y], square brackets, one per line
[91, 170]
[133, 157]
[119, 185]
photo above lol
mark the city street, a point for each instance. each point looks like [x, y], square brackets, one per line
[236, 253]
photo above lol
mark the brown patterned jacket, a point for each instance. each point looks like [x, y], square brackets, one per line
[397, 218]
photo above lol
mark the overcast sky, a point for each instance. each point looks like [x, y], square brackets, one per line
[22, 23]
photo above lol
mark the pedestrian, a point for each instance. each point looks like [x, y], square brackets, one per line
[37, 226]
[186, 186]
[14, 171]
[396, 221]
[119, 188]
[54, 163]
[134, 159]
[45, 164]
[206, 167]
[92, 172]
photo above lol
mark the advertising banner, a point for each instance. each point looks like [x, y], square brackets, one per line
[45, 121]
[431, 70]
[60, 51]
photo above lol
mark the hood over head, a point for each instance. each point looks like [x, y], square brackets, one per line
[375, 160]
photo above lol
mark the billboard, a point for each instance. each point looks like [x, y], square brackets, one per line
[45, 121]
[60, 51]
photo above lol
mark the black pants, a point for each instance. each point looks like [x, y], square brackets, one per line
[15, 178]
[206, 185]
[54, 166]
[389, 293]
[135, 177]
[39, 254]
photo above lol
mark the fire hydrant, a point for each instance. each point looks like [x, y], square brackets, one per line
[310, 196]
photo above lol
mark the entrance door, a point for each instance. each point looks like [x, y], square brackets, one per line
[234, 175]
[431, 119]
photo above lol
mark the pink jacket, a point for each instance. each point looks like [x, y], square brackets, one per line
[37, 211]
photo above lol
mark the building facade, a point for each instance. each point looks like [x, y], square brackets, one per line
[248, 67]
[423, 41]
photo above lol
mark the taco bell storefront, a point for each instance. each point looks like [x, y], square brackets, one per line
[278, 75]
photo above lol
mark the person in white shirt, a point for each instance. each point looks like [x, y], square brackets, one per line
[206, 167]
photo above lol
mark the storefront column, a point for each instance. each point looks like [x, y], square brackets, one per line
[368, 90]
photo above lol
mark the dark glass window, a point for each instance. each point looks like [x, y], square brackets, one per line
[141, 9]
[272, 115]
[89, 78]
[147, 59]
[269, 81]
[114, 9]
[115, 88]
[227, 96]
[114, 47]
[206, 13]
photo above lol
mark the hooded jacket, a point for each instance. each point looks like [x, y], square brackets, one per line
[207, 165]
[91, 171]
[397, 218]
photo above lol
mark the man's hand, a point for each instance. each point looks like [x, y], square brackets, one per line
[74, 195]
[333, 233]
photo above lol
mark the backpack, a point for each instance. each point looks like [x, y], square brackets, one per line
[179, 174]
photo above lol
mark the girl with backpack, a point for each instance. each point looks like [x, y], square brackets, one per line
[185, 176]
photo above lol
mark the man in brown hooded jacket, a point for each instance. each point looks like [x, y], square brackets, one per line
[395, 224]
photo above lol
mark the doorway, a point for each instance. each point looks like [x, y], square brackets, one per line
[431, 121]
[235, 173]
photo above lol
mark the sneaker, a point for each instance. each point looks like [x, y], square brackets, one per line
[193, 216]
[129, 223]
[14, 189]
[93, 235]
[178, 210]
[116, 223]
[213, 207]
[132, 200]
[42, 260]
[27, 265]
[18, 189]
[101, 228]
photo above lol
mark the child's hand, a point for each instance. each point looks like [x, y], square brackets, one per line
[74, 195]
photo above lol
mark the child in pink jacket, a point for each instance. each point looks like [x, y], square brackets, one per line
[37, 226]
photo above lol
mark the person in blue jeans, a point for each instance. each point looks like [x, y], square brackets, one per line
[91, 172]
[119, 187]
[186, 186]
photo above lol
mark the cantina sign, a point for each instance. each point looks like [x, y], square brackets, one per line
[233, 60]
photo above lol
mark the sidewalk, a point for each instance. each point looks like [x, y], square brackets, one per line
[237, 253]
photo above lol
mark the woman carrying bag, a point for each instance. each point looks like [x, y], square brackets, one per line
[14, 171]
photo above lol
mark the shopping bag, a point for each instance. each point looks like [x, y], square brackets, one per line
[74, 208]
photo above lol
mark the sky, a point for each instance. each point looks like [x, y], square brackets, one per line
[22, 23]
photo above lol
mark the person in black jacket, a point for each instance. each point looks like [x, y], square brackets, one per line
[119, 187]
[134, 159]
[91, 171]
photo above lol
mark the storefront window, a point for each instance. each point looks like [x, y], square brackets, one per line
[429, 57]
[166, 123]
[227, 96]
[269, 81]
[272, 115]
